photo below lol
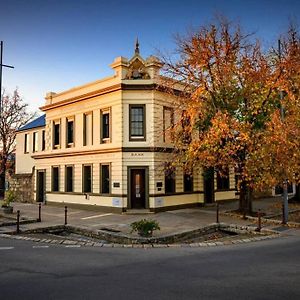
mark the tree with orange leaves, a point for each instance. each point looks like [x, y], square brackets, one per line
[230, 95]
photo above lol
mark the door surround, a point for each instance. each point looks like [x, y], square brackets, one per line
[129, 169]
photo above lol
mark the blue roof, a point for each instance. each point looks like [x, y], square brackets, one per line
[38, 122]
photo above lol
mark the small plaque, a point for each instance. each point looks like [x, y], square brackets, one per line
[159, 184]
[159, 202]
[116, 184]
[116, 202]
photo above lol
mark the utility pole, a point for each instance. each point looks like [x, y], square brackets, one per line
[285, 198]
[1, 66]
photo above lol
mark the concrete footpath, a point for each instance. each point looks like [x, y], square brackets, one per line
[171, 222]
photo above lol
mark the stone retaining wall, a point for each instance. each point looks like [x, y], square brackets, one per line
[22, 185]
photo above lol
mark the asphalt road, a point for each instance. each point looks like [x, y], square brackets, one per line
[261, 270]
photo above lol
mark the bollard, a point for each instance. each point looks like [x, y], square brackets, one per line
[40, 215]
[66, 215]
[18, 221]
[217, 213]
[283, 218]
[258, 221]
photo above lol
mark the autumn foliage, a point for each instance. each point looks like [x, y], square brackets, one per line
[230, 105]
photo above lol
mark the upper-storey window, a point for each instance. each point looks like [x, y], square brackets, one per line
[88, 129]
[35, 142]
[168, 119]
[56, 134]
[26, 143]
[70, 132]
[137, 122]
[43, 140]
[105, 126]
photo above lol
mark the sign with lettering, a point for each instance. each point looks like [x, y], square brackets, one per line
[159, 202]
[116, 202]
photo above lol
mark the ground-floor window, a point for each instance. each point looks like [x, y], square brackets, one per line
[188, 182]
[55, 179]
[223, 181]
[170, 179]
[87, 179]
[69, 178]
[105, 178]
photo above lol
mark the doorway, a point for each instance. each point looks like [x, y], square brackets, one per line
[40, 186]
[138, 187]
[209, 185]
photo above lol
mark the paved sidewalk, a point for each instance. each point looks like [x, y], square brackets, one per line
[171, 222]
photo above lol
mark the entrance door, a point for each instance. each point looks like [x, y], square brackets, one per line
[40, 188]
[137, 188]
[209, 193]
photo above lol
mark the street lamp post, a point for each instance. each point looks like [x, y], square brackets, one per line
[1, 66]
[285, 197]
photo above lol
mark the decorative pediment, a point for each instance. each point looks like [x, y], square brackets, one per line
[137, 70]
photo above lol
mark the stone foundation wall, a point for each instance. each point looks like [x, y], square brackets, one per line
[22, 185]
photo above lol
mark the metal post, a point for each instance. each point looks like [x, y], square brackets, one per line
[66, 215]
[18, 221]
[40, 215]
[1, 58]
[285, 199]
[258, 221]
[217, 213]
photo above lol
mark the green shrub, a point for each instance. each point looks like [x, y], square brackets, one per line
[9, 198]
[145, 227]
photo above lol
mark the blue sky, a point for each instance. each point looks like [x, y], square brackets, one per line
[55, 45]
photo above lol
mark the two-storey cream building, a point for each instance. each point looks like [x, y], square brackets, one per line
[105, 144]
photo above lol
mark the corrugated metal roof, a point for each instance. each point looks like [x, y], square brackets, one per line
[39, 122]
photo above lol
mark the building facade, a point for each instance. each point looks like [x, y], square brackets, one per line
[105, 144]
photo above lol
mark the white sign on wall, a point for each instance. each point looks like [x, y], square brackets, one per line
[159, 202]
[116, 202]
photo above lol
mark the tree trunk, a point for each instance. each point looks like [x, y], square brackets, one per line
[245, 200]
[2, 177]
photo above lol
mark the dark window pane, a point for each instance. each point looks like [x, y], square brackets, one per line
[26, 143]
[56, 134]
[43, 140]
[105, 179]
[223, 181]
[137, 121]
[55, 179]
[69, 179]
[70, 132]
[105, 126]
[188, 183]
[170, 176]
[87, 179]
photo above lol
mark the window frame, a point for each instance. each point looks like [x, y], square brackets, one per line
[105, 111]
[43, 140]
[66, 178]
[171, 110]
[171, 173]
[69, 120]
[52, 176]
[137, 138]
[84, 180]
[220, 181]
[186, 175]
[35, 141]
[109, 179]
[26, 143]
[56, 146]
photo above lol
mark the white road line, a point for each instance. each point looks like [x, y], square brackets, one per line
[96, 216]
[6, 248]
[73, 246]
[37, 247]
